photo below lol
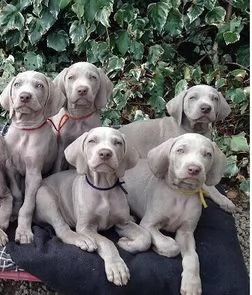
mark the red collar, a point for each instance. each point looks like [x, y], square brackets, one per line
[32, 128]
[66, 117]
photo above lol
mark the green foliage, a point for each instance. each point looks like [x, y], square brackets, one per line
[151, 50]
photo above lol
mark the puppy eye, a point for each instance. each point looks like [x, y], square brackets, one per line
[192, 97]
[16, 84]
[117, 142]
[180, 151]
[70, 78]
[208, 155]
[92, 77]
[39, 85]
[91, 141]
[215, 98]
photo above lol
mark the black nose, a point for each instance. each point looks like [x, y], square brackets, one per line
[25, 96]
[105, 154]
[205, 108]
[193, 169]
[82, 90]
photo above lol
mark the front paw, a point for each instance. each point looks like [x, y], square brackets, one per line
[117, 272]
[228, 206]
[3, 238]
[23, 236]
[190, 285]
[86, 243]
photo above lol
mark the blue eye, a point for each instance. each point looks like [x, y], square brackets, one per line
[39, 85]
[180, 150]
[16, 84]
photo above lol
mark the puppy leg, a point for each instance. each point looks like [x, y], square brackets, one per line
[219, 199]
[47, 210]
[161, 244]
[134, 238]
[5, 210]
[116, 270]
[191, 283]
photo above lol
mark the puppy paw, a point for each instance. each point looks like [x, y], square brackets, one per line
[117, 272]
[228, 206]
[86, 243]
[167, 247]
[3, 238]
[190, 285]
[136, 245]
[23, 236]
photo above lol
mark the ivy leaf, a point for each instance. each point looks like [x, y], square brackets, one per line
[137, 49]
[63, 3]
[58, 40]
[122, 41]
[215, 16]
[126, 14]
[243, 55]
[237, 95]
[103, 15]
[157, 13]
[115, 64]
[77, 32]
[155, 53]
[239, 143]
[220, 83]
[231, 168]
[97, 51]
[79, 7]
[181, 86]
[245, 186]
[11, 19]
[14, 38]
[231, 37]
[174, 24]
[194, 12]
[33, 61]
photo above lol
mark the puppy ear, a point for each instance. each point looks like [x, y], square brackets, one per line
[175, 107]
[5, 98]
[158, 158]
[75, 156]
[129, 160]
[223, 108]
[106, 88]
[216, 171]
[59, 81]
[55, 99]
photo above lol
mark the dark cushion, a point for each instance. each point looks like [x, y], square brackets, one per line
[69, 270]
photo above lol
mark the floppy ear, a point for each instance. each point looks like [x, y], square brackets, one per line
[158, 158]
[59, 81]
[75, 156]
[175, 107]
[106, 88]
[129, 160]
[216, 171]
[5, 98]
[223, 108]
[55, 100]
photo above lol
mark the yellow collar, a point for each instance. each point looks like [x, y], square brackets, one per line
[201, 193]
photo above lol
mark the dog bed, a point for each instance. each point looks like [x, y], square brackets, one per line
[69, 270]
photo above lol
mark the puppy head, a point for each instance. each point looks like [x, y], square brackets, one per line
[102, 150]
[188, 159]
[200, 104]
[85, 86]
[32, 92]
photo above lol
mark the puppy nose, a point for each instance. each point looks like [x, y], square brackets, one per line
[205, 108]
[25, 96]
[82, 90]
[105, 154]
[193, 170]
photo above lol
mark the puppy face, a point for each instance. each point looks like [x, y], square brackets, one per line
[104, 150]
[191, 158]
[82, 82]
[201, 104]
[29, 92]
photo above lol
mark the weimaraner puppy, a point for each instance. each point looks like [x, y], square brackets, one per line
[91, 199]
[31, 98]
[193, 110]
[165, 192]
[87, 89]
